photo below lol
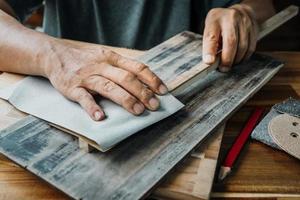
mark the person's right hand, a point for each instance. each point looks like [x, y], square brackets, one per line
[79, 71]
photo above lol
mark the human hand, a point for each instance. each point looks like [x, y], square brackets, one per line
[79, 71]
[234, 30]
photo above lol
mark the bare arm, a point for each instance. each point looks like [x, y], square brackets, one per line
[234, 30]
[78, 70]
[22, 50]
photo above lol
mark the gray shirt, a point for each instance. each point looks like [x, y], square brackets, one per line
[139, 24]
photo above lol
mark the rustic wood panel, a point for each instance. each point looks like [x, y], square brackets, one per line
[196, 172]
[178, 52]
[193, 178]
[135, 166]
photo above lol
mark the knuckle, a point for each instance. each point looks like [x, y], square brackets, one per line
[146, 95]
[108, 86]
[140, 67]
[156, 81]
[247, 22]
[116, 58]
[128, 77]
[231, 40]
[211, 36]
[128, 101]
[213, 15]
[233, 14]
[213, 12]
[85, 101]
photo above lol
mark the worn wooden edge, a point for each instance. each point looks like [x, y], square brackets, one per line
[197, 143]
[277, 20]
[193, 78]
[198, 192]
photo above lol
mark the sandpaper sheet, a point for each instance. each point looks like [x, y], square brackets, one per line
[290, 106]
[38, 97]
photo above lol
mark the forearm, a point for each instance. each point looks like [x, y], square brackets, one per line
[23, 50]
[262, 9]
[26, 51]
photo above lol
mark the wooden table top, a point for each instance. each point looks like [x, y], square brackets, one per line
[261, 170]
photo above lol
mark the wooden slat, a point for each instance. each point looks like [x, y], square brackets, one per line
[134, 167]
[277, 20]
[193, 178]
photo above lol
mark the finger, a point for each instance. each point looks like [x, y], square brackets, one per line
[87, 102]
[211, 42]
[229, 48]
[252, 41]
[140, 70]
[129, 82]
[114, 92]
[243, 32]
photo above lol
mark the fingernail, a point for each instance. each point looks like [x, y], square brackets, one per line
[224, 69]
[163, 89]
[153, 102]
[98, 115]
[208, 58]
[138, 108]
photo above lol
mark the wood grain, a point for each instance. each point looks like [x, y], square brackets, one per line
[263, 172]
[144, 158]
[193, 178]
[179, 41]
[18, 183]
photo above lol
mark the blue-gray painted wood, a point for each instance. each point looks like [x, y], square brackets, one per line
[131, 169]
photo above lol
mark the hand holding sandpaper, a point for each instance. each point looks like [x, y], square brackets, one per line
[78, 71]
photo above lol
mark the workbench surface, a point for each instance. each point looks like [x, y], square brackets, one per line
[261, 171]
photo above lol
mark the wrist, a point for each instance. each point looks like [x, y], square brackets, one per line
[51, 57]
[245, 8]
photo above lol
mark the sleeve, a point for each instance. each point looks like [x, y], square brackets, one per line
[220, 3]
[24, 8]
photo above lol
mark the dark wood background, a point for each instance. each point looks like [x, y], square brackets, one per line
[285, 38]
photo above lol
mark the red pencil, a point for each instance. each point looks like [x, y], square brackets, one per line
[239, 143]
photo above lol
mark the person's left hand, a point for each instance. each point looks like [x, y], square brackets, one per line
[234, 30]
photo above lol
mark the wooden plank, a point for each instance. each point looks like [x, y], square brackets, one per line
[277, 20]
[134, 167]
[178, 62]
[194, 169]
[193, 178]
[83, 143]
[18, 183]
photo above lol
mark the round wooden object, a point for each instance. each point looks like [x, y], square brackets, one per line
[285, 131]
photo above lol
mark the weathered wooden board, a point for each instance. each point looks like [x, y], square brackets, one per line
[134, 167]
[193, 178]
[179, 51]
